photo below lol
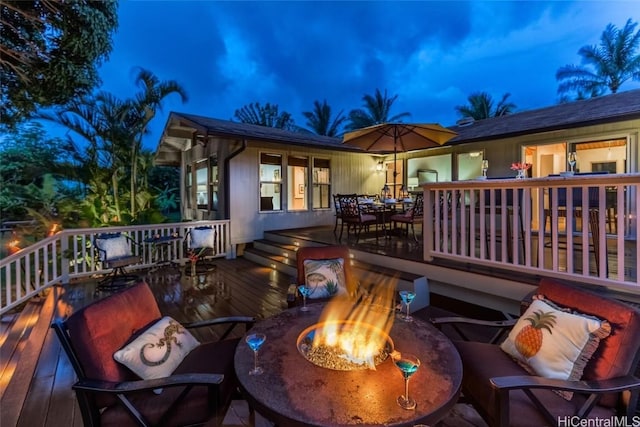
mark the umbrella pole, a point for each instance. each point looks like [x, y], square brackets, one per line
[395, 172]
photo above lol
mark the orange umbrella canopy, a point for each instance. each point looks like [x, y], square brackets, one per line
[398, 137]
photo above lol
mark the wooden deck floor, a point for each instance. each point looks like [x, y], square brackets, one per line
[40, 393]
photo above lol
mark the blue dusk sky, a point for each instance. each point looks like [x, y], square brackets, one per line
[433, 55]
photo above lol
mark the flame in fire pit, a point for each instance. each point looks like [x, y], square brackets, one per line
[355, 331]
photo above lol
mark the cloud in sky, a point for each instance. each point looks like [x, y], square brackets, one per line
[431, 54]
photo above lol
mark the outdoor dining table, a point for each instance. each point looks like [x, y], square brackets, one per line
[295, 392]
[383, 210]
[161, 249]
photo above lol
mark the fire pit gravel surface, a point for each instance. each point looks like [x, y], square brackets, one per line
[333, 358]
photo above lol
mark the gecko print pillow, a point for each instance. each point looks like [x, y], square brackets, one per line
[158, 351]
[555, 343]
[325, 278]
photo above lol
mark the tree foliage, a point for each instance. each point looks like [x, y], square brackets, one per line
[320, 122]
[112, 131]
[50, 52]
[267, 115]
[37, 173]
[377, 109]
[605, 67]
[481, 106]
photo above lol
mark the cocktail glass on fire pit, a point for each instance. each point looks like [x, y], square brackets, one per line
[255, 341]
[407, 297]
[408, 365]
[305, 291]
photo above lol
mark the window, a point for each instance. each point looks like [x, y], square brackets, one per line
[297, 172]
[213, 190]
[609, 167]
[270, 182]
[321, 184]
[202, 185]
[470, 165]
[394, 176]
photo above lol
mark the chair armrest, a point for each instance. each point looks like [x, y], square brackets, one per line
[613, 385]
[508, 323]
[502, 326]
[232, 321]
[142, 385]
[220, 321]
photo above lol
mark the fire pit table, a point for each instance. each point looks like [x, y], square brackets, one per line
[292, 391]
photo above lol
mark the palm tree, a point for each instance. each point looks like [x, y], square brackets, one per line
[146, 103]
[376, 110]
[481, 106]
[114, 129]
[319, 120]
[100, 121]
[607, 66]
[267, 115]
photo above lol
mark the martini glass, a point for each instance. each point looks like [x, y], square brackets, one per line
[305, 291]
[408, 365]
[485, 166]
[407, 297]
[572, 160]
[255, 341]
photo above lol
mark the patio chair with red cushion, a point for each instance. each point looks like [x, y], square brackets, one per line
[135, 367]
[572, 353]
[414, 215]
[318, 266]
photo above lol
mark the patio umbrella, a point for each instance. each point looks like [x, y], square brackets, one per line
[398, 137]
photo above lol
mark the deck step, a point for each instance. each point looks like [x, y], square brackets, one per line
[279, 252]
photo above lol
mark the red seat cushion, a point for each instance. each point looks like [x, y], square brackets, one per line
[100, 329]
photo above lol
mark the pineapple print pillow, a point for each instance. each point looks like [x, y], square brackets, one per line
[325, 278]
[555, 343]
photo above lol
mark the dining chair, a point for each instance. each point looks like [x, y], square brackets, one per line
[353, 216]
[413, 215]
[338, 214]
[114, 252]
[590, 218]
[571, 355]
[163, 375]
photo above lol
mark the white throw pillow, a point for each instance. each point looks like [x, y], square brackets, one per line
[203, 238]
[555, 343]
[158, 351]
[325, 278]
[113, 247]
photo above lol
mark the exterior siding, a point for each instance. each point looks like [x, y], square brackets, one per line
[350, 173]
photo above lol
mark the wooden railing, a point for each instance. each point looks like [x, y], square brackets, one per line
[582, 227]
[70, 254]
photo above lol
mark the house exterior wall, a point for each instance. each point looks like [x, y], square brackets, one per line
[350, 173]
[502, 152]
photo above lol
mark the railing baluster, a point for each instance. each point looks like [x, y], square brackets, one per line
[470, 218]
